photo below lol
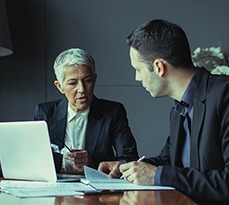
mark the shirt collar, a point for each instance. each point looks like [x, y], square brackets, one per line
[187, 98]
[72, 113]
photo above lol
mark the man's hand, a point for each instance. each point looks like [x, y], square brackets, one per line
[110, 168]
[138, 172]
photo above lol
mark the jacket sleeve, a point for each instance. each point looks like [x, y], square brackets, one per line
[124, 142]
[163, 158]
[118, 135]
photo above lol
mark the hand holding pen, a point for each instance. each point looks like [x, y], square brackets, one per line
[69, 149]
[139, 160]
[78, 158]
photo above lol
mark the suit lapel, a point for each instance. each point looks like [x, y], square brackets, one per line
[177, 138]
[58, 123]
[198, 114]
[94, 126]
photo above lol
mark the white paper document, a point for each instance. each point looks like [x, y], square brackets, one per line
[102, 181]
[41, 189]
[94, 182]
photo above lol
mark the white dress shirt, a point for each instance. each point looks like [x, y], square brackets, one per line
[75, 134]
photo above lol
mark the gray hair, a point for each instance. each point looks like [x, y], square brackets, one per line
[73, 56]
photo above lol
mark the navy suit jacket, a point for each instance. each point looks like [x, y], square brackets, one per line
[207, 179]
[108, 136]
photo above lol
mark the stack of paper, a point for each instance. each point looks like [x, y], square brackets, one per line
[94, 182]
[40, 189]
[102, 181]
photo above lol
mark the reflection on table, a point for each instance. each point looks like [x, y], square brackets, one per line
[127, 198]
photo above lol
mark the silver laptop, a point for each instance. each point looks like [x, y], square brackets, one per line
[25, 152]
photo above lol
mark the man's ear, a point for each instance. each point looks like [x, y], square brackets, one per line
[159, 67]
[58, 85]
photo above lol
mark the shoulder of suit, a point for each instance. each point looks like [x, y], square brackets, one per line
[107, 102]
[218, 82]
[53, 103]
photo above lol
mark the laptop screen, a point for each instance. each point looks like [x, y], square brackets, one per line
[25, 151]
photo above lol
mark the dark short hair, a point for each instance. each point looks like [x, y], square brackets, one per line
[161, 39]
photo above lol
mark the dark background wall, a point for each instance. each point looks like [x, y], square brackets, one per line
[41, 29]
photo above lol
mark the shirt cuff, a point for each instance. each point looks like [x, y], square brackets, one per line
[157, 177]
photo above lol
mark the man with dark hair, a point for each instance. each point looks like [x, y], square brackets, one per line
[195, 158]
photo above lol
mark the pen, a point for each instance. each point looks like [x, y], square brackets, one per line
[140, 159]
[70, 150]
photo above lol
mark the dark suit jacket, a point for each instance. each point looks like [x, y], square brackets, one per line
[107, 130]
[208, 177]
